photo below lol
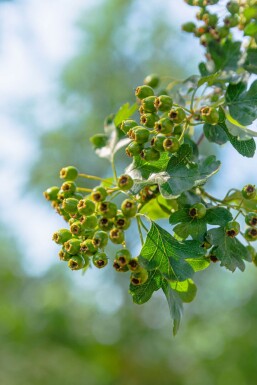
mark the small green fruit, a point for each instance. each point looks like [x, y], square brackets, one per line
[72, 246]
[251, 234]
[148, 104]
[249, 191]
[177, 115]
[129, 208]
[70, 205]
[171, 144]
[107, 209]
[100, 239]
[164, 126]
[76, 262]
[61, 236]
[88, 247]
[139, 134]
[139, 278]
[89, 222]
[51, 193]
[123, 257]
[152, 80]
[116, 236]
[126, 125]
[251, 219]
[99, 194]
[100, 260]
[86, 207]
[105, 224]
[209, 115]
[232, 229]
[125, 182]
[198, 210]
[122, 222]
[134, 149]
[68, 188]
[150, 154]
[69, 173]
[149, 119]
[163, 103]
[144, 91]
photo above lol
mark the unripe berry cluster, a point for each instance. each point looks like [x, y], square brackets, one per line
[212, 29]
[163, 124]
[94, 220]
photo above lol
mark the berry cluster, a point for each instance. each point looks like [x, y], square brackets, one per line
[163, 123]
[94, 220]
[214, 29]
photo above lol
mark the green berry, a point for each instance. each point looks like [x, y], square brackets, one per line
[68, 188]
[152, 80]
[107, 209]
[100, 260]
[209, 115]
[133, 265]
[251, 234]
[232, 229]
[123, 257]
[100, 239]
[148, 104]
[76, 262]
[149, 119]
[125, 182]
[99, 140]
[189, 27]
[251, 219]
[150, 154]
[88, 247]
[117, 266]
[233, 7]
[134, 149]
[164, 126]
[139, 278]
[177, 115]
[139, 134]
[126, 125]
[72, 246]
[76, 228]
[249, 191]
[231, 21]
[171, 144]
[61, 236]
[223, 32]
[210, 19]
[157, 142]
[105, 224]
[144, 91]
[116, 236]
[198, 210]
[64, 256]
[99, 194]
[86, 207]
[163, 103]
[70, 205]
[89, 221]
[121, 222]
[129, 208]
[51, 193]
[69, 173]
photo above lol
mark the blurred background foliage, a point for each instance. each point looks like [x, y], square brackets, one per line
[65, 328]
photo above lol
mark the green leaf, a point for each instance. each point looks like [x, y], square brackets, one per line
[142, 293]
[159, 208]
[141, 169]
[125, 112]
[251, 61]
[225, 56]
[236, 129]
[215, 134]
[228, 250]
[209, 79]
[175, 305]
[195, 227]
[164, 253]
[251, 29]
[244, 147]
[186, 289]
[183, 175]
[242, 104]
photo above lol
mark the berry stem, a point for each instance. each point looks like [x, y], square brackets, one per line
[183, 131]
[114, 170]
[93, 177]
[140, 231]
[239, 211]
[84, 189]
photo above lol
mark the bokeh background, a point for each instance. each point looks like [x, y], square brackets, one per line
[64, 66]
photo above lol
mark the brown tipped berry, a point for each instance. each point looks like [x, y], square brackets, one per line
[51, 193]
[129, 208]
[76, 262]
[177, 115]
[163, 103]
[171, 144]
[198, 210]
[249, 191]
[61, 236]
[144, 91]
[69, 173]
[99, 194]
[152, 80]
[100, 260]
[232, 229]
